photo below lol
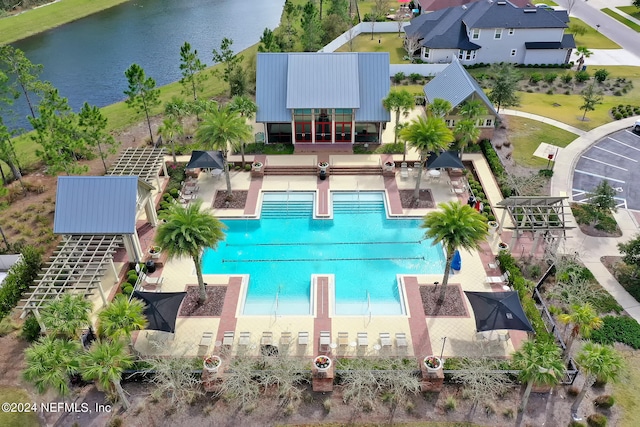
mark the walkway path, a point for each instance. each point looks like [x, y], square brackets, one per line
[544, 120]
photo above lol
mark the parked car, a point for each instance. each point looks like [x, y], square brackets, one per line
[636, 127]
[544, 6]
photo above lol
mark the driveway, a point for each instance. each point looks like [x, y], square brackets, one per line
[615, 158]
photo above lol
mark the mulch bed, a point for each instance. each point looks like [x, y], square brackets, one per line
[239, 199]
[211, 307]
[425, 201]
[453, 305]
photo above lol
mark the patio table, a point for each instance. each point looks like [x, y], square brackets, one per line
[434, 173]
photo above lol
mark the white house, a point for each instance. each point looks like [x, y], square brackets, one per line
[490, 31]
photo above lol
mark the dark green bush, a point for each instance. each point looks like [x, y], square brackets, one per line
[620, 329]
[415, 77]
[19, 279]
[550, 77]
[601, 75]
[397, 148]
[597, 420]
[606, 223]
[31, 329]
[546, 172]
[582, 76]
[605, 401]
[496, 166]
[398, 77]
[174, 193]
[566, 78]
[534, 78]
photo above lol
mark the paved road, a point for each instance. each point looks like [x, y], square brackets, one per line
[589, 12]
[615, 158]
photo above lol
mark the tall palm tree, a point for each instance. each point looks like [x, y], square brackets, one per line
[455, 226]
[121, 317]
[247, 108]
[583, 319]
[426, 134]
[539, 363]
[399, 102]
[596, 361]
[187, 231]
[50, 362]
[439, 107]
[104, 362]
[65, 316]
[583, 52]
[169, 130]
[472, 109]
[223, 127]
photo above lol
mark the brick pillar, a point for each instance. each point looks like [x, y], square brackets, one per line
[431, 381]
[322, 380]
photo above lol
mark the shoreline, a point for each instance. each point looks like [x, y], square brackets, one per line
[48, 16]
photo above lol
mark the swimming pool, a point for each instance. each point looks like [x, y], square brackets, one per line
[360, 246]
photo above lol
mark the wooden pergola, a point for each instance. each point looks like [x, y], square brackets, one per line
[542, 216]
[145, 163]
[77, 266]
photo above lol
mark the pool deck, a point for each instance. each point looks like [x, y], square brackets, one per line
[451, 336]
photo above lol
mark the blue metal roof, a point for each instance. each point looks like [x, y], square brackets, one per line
[323, 80]
[456, 85]
[286, 81]
[374, 87]
[96, 205]
[271, 88]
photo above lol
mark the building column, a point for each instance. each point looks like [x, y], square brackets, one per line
[353, 127]
[313, 126]
[150, 212]
[266, 134]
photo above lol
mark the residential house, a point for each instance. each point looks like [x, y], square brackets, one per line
[427, 6]
[490, 31]
[322, 101]
[457, 86]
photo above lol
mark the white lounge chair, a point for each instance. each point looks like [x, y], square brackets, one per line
[245, 339]
[343, 339]
[404, 171]
[227, 341]
[267, 338]
[325, 340]
[303, 338]
[285, 339]
[498, 279]
[401, 341]
[363, 339]
[385, 340]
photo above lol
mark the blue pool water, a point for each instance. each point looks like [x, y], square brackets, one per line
[360, 246]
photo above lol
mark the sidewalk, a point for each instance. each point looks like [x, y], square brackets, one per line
[543, 119]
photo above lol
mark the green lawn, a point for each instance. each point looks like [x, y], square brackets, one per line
[592, 38]
[630, 10]
[629, 23]
[35, 21]
[17, 419]
[547, 2]
[382, 42]
[526, 135]
[627, 392]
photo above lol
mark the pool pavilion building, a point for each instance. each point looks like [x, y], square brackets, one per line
[322, 101]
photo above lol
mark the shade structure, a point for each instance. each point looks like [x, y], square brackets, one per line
[206, 160]
[456, 261]
[498, 310]
[446, 159]
[161, 309]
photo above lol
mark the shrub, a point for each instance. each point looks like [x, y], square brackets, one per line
[127, 290]
[605, 401]
[582, 76]
[450, 404]
[566, 78]
[534, 78]
[175, 193]
[601, 75]
[19, 279]
[620, 329]
[617, 93]
[398, 77]
[31, 329]
[549, 92]
[546, 172]
[496, 167]
[7, 326]
[596, 420]
[550, 77]
[617, 116]
[415, 77]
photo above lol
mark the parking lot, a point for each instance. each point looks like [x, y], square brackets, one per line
[615, 158]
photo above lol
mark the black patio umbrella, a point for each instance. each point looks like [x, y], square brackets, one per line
[205, 160]
[446, 159]
[161, 309]
[498, 310]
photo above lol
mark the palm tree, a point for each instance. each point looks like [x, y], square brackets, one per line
[583, 319]
[66, 315]
[104, 362]
[472, 109]
[467, 132]
[187, 231]
[400, 102]
[121, 317]
[584, 52]
[223, 127]
[456, 226]
[596, 361]
[247, 108]
[169, 130]
[539, 363]
[426, 134]
[50, 362]
[439, 107]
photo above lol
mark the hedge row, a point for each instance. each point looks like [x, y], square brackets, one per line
[524, 288]
[496, 167]
[20, 277]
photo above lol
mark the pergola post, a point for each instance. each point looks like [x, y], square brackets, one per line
[113, 268]
[150, 212]
[536, 241]
[104, 299]
[36, 313]
[504, 217]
